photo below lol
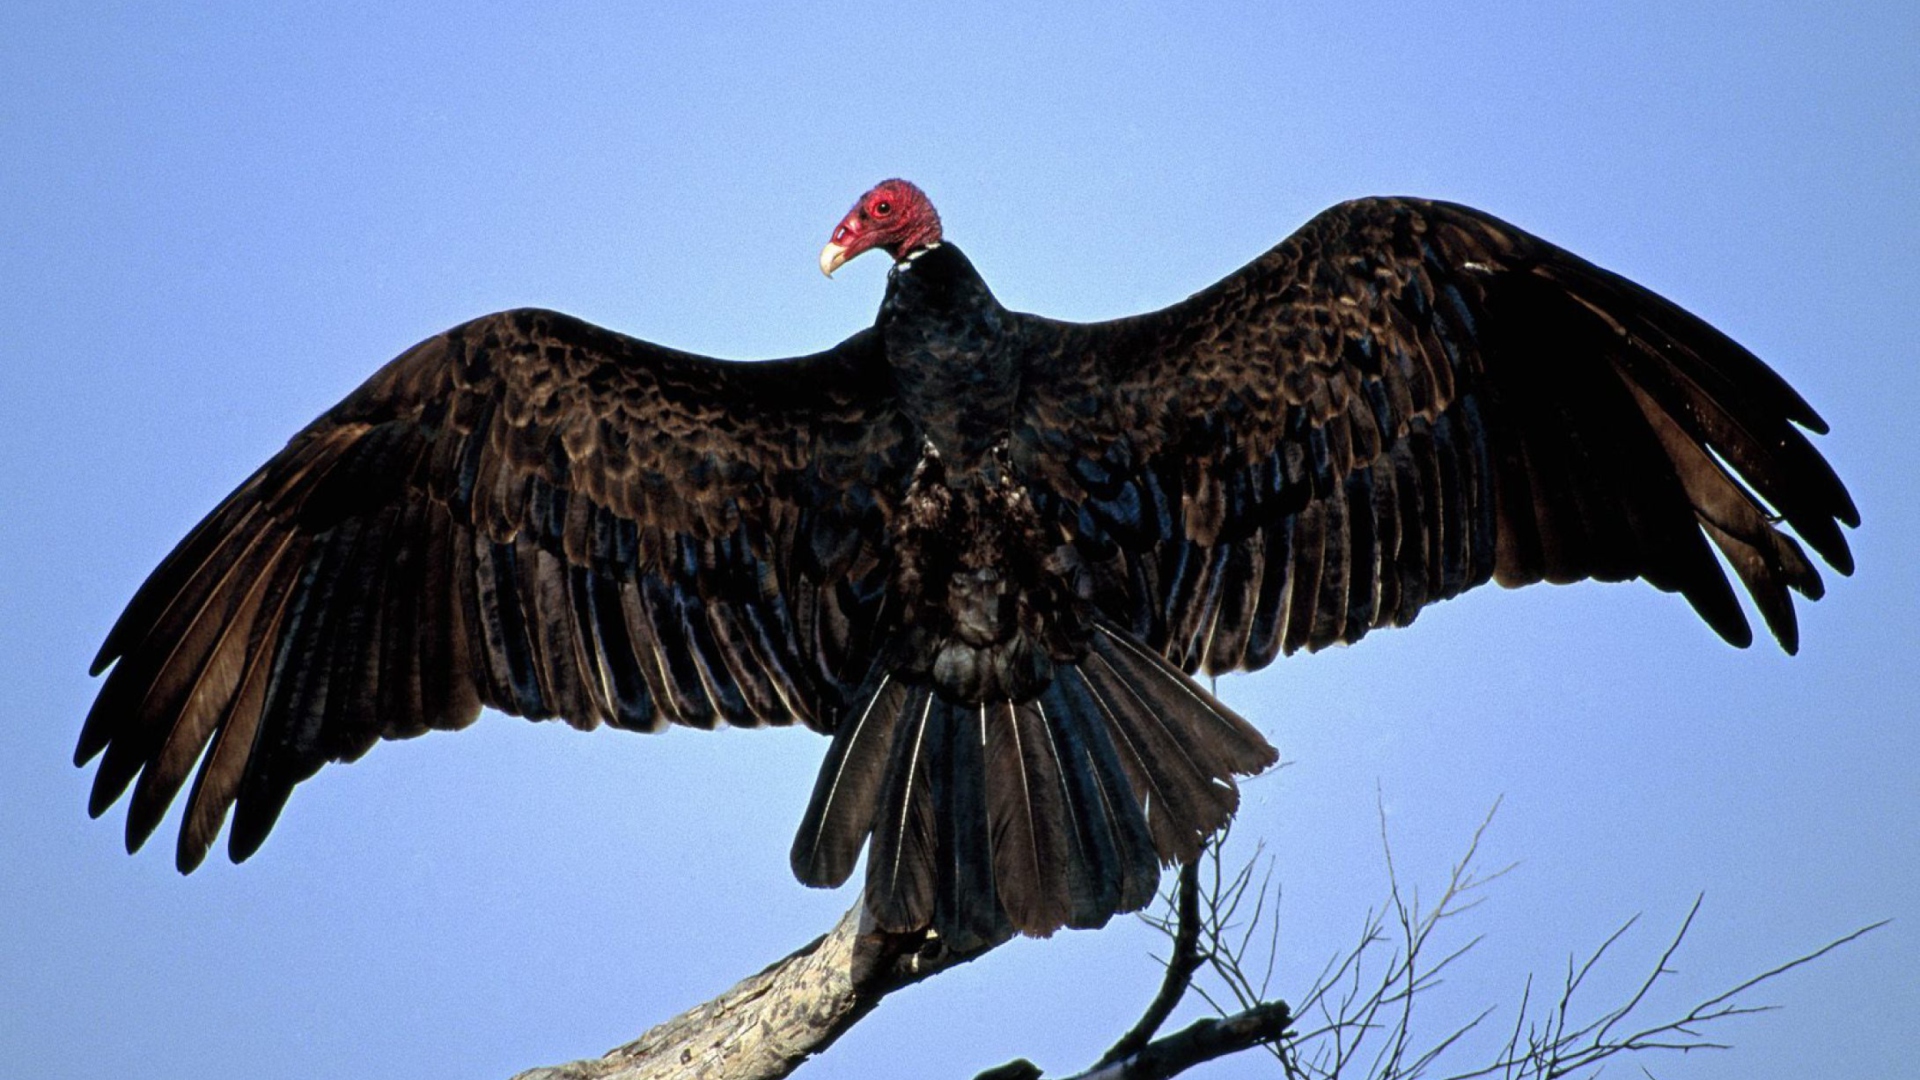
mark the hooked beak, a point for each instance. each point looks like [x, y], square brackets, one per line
[831, 257]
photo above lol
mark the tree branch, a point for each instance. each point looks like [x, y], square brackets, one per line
[1195, 1044]
[1200, 1042]
[770, 1023]
[1186, 960]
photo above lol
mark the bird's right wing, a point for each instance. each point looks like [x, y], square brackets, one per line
[526, 512]
[1400, 401]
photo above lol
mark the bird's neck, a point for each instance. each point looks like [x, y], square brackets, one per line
[953, 350]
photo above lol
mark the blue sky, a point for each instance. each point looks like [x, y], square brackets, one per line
[221, 217]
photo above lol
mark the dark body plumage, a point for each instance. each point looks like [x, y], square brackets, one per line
[984, 550]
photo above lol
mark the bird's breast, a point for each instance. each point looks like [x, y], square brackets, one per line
[987, 605]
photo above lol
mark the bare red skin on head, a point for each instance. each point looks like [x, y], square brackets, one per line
[895, 217]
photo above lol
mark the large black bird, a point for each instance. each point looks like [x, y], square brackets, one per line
[985, 551]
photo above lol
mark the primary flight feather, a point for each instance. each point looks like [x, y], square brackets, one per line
[985, 551]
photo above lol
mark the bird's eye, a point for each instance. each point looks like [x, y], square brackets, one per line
[882, 208]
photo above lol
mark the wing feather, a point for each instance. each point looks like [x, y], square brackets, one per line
[525, 512]
[1402, 401]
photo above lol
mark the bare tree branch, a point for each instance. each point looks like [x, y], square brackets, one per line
[1362, 1002]
[1186, 960]
[1360, 1007]
[1199, 1042]
[770, 1023]
[1196, 1044]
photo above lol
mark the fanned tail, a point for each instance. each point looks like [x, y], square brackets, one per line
[1026, 816]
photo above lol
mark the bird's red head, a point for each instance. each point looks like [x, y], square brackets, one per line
[895, 216]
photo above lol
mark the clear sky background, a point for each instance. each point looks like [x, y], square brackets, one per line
[219, 218]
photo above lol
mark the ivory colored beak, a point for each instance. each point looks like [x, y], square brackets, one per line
[831, 257]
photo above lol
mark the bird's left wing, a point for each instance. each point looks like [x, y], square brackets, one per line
[526, 512]
[1399, 402]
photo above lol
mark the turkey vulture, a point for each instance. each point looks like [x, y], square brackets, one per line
[987, 552]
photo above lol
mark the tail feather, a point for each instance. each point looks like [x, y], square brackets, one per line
[1178, 798]
[1117, 848]
[902, 868]
[966, 906]
[1032, 823]
[1029, 816]
[840, 814]
[1217, 736]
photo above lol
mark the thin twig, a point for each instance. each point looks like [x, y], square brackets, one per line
[1362, 1000]
[1186, 960]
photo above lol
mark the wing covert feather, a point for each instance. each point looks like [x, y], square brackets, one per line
[1404, 400]
[526, 512]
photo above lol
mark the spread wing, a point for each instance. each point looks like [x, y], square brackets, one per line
[1401, 401]
[526, 512]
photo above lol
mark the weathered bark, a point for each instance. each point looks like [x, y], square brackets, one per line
[770, 1023]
